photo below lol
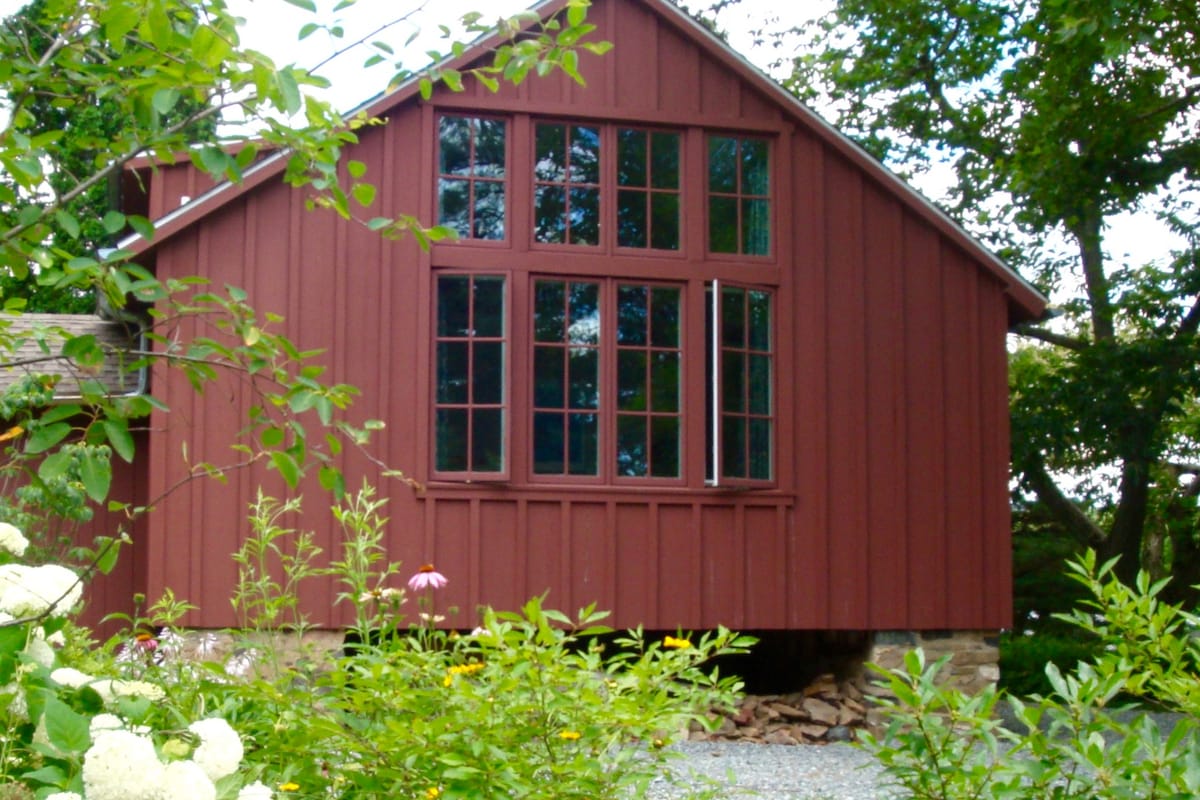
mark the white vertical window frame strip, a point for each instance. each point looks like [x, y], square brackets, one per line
[715, 388]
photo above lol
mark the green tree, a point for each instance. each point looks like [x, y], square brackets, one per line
[167, 69]
[82, 123]
[1055, 116]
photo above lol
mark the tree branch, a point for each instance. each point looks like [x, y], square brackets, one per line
[1079, 524]
[1050, 337]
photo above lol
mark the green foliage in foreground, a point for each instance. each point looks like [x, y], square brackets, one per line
[1023, 659]
[526, 706]
[1076, 741]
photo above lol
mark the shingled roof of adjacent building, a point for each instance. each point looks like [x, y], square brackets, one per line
[39, 340]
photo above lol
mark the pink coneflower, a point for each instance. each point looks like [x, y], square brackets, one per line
[426, 578]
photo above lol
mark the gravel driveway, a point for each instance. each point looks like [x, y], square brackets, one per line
[780, 772]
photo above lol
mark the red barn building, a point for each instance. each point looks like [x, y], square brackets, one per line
[695, 356]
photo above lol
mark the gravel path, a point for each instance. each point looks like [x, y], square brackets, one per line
[779, 772]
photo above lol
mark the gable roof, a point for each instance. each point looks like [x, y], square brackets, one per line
[39, 339]
[1025, 302]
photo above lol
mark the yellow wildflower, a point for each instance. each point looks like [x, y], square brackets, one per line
[676, 644]
[290, 786]
[570, 736]
[11, 433]
[432, 792]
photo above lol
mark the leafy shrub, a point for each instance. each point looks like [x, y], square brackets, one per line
[1074, 742]
[1023, 659]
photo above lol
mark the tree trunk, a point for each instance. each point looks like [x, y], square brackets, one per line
[1088, 232]
[1125, 536]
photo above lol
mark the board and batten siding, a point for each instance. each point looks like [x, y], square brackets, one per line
[890, 510]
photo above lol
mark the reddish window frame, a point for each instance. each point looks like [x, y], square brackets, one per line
[470, 404]
[607, 411]
[649, 190]
[472, 179]
[739, 196]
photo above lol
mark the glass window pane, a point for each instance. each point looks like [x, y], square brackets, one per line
[585, 154]
[455, 146]
[631, 158]
[760, 384]
[631, 446]
[733, 446]
[664, 227]
[631, 380]
[631, 315]
[585, 314]
[454, 305]
[733, 317]
[760, 449]
[451, 448]
[551, 146]
[664, 317]
[548, 443]
[487, 440]
[487, 380]
[760, 321]
[549, 311]
[664, 447]
[453, 206]
[722, 164]
[722, 224]
[756, 227]
[550, 214]
[489, 306]
[583, 444]
[664, 382]
[549, 372]
[452, 372]
[489, 148]
[664, 165]
[489, 210]
[585, 216]
[755, 175]
[584, 377]
[733, 381]
[631, 218]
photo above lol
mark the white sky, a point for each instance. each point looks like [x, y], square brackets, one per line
[272, 26]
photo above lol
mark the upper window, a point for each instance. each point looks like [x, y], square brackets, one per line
[647, 189]
[471, 176]
[471, 364]
[739, 196]
[566, 192]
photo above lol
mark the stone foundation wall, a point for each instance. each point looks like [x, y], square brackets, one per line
[974, 662]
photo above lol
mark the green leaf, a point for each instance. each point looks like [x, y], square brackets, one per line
[307, 5]
[271, 437]
[107, 551]
[356, 169]
[117, 431]
[165, 99]
[287, 467]
[66, 729]
[95, 471]
[46, 436]
[67, 222]
[142, 226]
[364, 193]
[113, 222]
[289, 91]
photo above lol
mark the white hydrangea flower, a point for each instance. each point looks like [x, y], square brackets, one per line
[12, 540]
[31, 591]
[63, 796]
[58, 638]
[185, 780]
[70, 677]
[255, 791]
[40, 652]
[151, 691]
[104, 723]
[220, 750]
[122, 766]
[18, 706]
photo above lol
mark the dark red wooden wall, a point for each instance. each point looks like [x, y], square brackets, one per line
[890, 509]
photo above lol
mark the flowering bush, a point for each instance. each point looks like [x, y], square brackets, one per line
[103, 734]
[528, 705]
